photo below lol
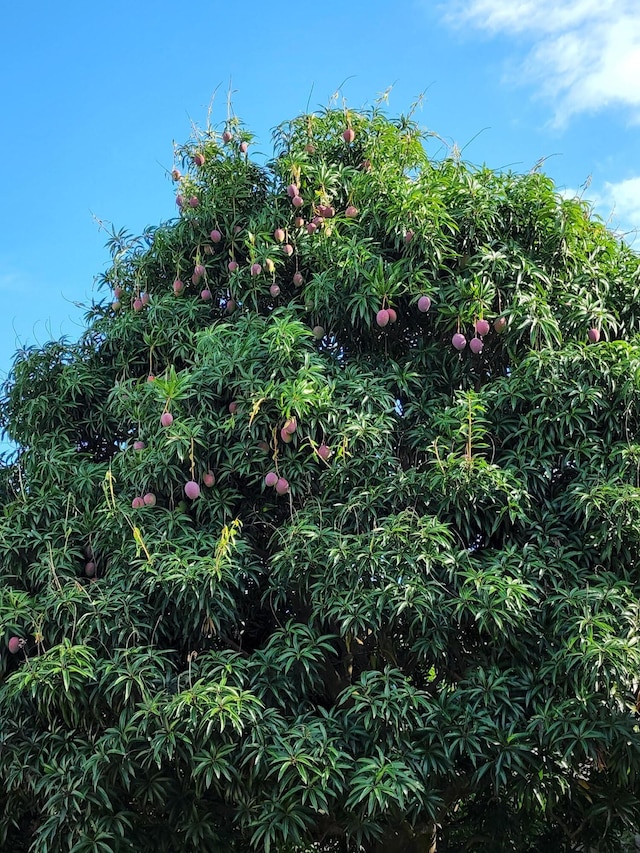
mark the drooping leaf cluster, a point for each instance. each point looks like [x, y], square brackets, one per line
[427, 633]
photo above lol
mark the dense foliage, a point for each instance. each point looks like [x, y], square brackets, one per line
[426, 633]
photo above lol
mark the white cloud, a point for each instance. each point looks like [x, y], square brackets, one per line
[585, 54]
[617, 203]
[623, 199]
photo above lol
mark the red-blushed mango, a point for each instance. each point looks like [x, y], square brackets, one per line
[232, 266]
[15, 644]
[282, 486]
[299, 221]
[287, 249]
[351, 211]
[424, 303]
[216, 236]
[297, 201]
[271, 479]
[227, 136]
[349, 135]
[178, 286]
[198, 159]
[139, 445]
[285, 436]
[205, 294]
[500, 325]
[279, 235]
[324, 451]
[382, 317]
[194, 201]
[594, 335]
[166, 419]
[459, 341]
[482, 327]
[476, 345]
[256, 269]
[274, 290]
[209, 479]
[149, 499]
[292, 190]
[233, 407]
[408, 237]
[291, 425]
[244, 146]
[298, 280]
[393, 317]
[138, 304]
[175, 174]
[192, 490]
[137, 503]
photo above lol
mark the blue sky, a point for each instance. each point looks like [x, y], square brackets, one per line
[94, 94]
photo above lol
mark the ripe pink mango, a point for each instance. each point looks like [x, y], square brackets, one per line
[292, 190]
[137, 503]
[178, 286]
[459, 341]
[349, 135]
[166, 419]
[271, 479]
[274, 290]
[382, 317]
[282, 486]
[476, 346]
[15, 644]
[324, 452]
[297, 201]
[215, 235]
[298, 279]
[285, 436]
[192, 490]
[482, 327]
[424, 303]
[149, 499]
[593, 335]
[209, 479]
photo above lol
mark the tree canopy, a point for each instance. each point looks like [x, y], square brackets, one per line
[325, 534]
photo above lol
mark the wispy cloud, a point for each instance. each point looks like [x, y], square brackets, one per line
[617, 203]
[584, 54]
[12, 281]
